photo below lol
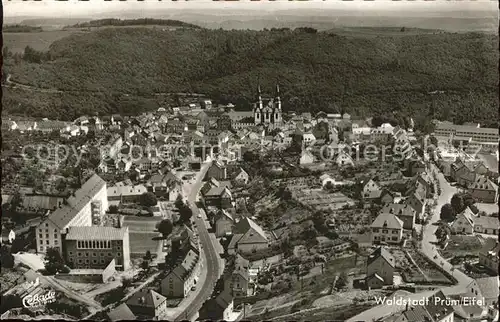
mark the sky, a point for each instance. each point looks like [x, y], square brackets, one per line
[75, 8]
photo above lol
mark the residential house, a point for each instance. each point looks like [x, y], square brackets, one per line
[308, 139]
[306, 157]
[211, 183]
[147, 304]
[388, 228]
[380, 268]
[486, 225]
[402, 211]
[425, 180]
[220, 197]
[417, 201]
[121, 313]
[485, 288]
[237, 276]
[435, 308]
[484, 190]
[462, 173]
[369, 187]
[217, 170]
[488, 255]
[464, 222]
[126, 193]
[344, 159]
[248, 237]
[223, 223]
[241, 176]
[416, 167]
[185, 271]
[218, 308]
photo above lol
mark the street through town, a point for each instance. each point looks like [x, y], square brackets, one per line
[211, 258]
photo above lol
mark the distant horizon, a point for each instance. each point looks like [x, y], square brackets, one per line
[78, 9]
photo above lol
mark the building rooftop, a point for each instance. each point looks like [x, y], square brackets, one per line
[61, 217]
[96, 233]
[387, 220]
[146, 298]
[381, 252]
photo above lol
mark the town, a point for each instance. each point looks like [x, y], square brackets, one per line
[209, 212]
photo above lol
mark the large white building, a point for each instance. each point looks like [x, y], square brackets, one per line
[473, 136]
[80, 209]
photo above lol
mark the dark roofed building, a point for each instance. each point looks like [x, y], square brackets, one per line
[121, 313]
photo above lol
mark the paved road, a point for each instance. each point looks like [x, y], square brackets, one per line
[211, 257]
[429, 237]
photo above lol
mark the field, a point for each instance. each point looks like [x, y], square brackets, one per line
[432, 274]
[462, 245]
[142, 232]
[17, 41]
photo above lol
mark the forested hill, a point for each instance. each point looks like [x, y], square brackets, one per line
[135, 22]
[448, 76]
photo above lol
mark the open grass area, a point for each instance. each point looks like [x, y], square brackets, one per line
[462, 245]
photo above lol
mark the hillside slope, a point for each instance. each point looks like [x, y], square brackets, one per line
[315, 70]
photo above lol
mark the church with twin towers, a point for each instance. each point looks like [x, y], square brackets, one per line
[267, 111]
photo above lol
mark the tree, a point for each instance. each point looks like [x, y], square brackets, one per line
[145, 265]
[7, 259]
[457, 203]
[113, 209]
[148, 199]
[342, 280]
[447, 213]
[54, 262]
[165, 227]
[10, 302]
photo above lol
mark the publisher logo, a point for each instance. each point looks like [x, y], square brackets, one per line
[38, 300]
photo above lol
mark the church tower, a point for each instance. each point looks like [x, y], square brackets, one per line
[277, 107]
[257, 111]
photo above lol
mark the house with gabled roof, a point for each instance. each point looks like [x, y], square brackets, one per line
[387, 228]
[403, 211]
[248, 236]
[216, 170]
[184, 274]
[218, 308]
[148, 304]
[380, 268]
[488, 255]
[219, 196]
[237, 276]
[484, 190]
[223, 223]
[344, 159]
[486, 225]
[464, 222]
[121, 313]
[240, 176]
[485, 288]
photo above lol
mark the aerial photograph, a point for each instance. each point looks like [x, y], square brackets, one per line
[250, 161]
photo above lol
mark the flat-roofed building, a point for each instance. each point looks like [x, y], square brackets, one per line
[95, 247]
[87, 202]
